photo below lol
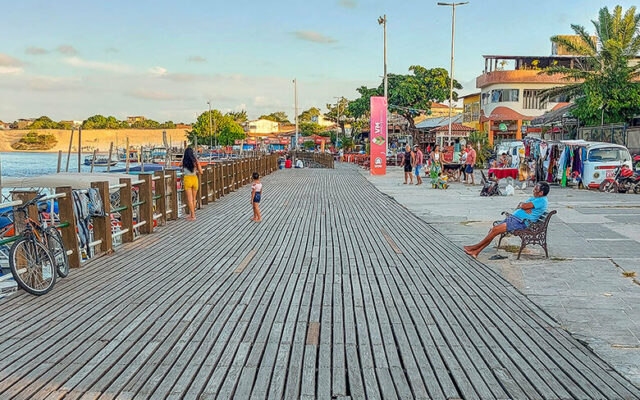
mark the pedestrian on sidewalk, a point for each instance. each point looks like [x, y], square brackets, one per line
[256, 195]
[525, 214]
[190, 171]
[435, 159]
[471, 161]
[462, 171]
[419, 162]
[408, 161]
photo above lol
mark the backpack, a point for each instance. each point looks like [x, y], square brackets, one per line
[490, 188]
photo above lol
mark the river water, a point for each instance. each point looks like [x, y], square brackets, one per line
[30, 164]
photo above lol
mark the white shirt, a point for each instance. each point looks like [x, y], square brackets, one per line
[257, 187]
[299, 164]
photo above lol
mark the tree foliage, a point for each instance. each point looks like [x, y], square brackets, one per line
[102, 122]
[278, 116]
[45, 122]
[603, 82]
[225, 129]
[307, 115]
[310, 128]
[409, 94]
[339, 113]
[239, 116]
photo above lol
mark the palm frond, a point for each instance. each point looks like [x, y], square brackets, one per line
[571, 91]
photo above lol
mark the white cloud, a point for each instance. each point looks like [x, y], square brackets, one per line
[158, 71]
[348, 3]
[197, 59]
[37, 51]
[312, 36]
[158, 95]
[67, 50]
[10, 65]
[96, 65]
[53, 83]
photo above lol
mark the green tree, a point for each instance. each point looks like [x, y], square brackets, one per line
[409, 94]
[146, 124]
[480, 142]
[339, 113]
[310, 128]
[278, 116]
[307, 115]
[225, 129]
[346, 143]
[309, 145]
[603, 83]
[102, 122]
[239, 116]
[168, 125]
[45, 122]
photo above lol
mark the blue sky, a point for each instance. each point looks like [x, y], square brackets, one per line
[70, 59]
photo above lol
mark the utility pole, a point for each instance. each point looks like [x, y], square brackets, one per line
[383, 21]
[210, 131]
[453, 32]
[295, 99]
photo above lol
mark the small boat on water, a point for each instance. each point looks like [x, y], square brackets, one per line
[100, 161]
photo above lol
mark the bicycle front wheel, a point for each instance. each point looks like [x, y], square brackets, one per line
[32, 266]
[54, 241]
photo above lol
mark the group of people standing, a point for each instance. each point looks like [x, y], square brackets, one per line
[413, 161]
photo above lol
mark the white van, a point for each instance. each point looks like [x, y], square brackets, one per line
[601, 161]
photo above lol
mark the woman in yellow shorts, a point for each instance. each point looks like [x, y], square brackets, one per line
[190, 171]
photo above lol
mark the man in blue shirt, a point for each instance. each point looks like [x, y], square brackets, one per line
[526, 213]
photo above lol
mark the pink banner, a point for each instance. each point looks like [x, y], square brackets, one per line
[378, 136]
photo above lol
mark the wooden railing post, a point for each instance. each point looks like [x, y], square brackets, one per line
[161, 196]
[102, 225]
[19, 220]
[68, 231]
[126, 215]
[234, 175]
[227, 181]
[146, 206]
[173, 194]
[203, 193]
[183, 197]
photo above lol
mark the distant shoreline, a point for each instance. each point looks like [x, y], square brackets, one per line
[95, 139]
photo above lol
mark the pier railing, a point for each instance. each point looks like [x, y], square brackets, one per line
[143, 203]
[310, 158]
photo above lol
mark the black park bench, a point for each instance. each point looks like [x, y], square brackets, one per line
[535, 233]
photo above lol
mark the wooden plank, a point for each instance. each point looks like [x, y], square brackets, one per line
[66, 214]
[102, 224]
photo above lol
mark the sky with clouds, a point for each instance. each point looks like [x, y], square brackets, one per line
[70, 59]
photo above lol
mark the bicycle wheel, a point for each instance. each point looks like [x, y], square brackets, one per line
[32, 266]
[58, 252]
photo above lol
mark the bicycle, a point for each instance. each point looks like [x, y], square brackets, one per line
[38, 256]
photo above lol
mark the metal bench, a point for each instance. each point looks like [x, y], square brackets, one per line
[535, 233]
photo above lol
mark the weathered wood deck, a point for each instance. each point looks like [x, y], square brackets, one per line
[334, 294]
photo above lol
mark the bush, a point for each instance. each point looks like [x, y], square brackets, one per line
[35, 141]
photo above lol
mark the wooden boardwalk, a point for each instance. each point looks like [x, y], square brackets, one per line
[333, 295]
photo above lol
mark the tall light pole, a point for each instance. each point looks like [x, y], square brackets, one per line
[383, 21]
[295, 100]
[453, 33]
[339, 100]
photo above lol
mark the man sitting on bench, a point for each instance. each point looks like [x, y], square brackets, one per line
[526, 213]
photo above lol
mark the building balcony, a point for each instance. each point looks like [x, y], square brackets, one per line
[518, 76]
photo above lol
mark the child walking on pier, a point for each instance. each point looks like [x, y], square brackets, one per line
[256, 194]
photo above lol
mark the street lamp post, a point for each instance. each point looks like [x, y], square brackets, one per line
[383, 21]
[295, 99]
[453, 32]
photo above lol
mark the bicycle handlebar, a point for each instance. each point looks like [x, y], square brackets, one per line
[31, 202]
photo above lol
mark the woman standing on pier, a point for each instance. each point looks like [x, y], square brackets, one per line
[190, 171]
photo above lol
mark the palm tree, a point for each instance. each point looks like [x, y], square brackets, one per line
[604, 79]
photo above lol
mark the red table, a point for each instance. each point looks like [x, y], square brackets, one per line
[504, 172]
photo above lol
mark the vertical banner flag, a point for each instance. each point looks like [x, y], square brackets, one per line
[378, 136]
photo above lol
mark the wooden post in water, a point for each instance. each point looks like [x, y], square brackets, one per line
[79, 147]
[66, 214]
[126, 160]
[110, 155]
[69, 151]
[59, 161]
[102, 225]
[126, 215]
[173, 194]
[93, 160]
[146, 198]
[161, 196]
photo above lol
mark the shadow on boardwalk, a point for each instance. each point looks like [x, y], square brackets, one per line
[332, 295]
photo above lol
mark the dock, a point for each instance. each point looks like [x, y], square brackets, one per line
[340, 292]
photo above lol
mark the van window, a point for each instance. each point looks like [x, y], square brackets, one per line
[604, 154]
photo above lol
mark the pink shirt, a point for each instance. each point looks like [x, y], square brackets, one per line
[419, 157]
[257, 187]
[471, 157]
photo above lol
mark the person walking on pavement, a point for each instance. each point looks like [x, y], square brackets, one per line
[419, 163]
[408, 161]
[471, 161]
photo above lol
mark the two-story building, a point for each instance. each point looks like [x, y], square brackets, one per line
[510, 92]
[471, 111]
[261, 128]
